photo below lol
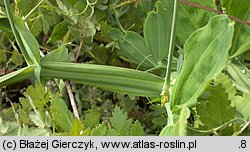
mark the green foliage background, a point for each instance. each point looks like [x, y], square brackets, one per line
[122, 49]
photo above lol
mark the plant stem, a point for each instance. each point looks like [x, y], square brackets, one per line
[72, 100]
[213, 10]
[14, 111]
[171, 50]
[214, 130]
[118, 22]
[25, 18]
[169, 112]
[243, 128]
[78, 51]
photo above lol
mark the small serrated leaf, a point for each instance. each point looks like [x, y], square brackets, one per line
[242, 105]
[76, 129]
[34, 132]
[112, 132]
[38, 95]
[60, 113]
[92, 119]
[217, 110]
[227, 85]
[136, 129]
[17, 58]
[25, 104]
[120, 121]
[36, 120]
[100, 130]
[23, 116]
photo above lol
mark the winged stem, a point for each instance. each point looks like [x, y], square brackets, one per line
[165, 89]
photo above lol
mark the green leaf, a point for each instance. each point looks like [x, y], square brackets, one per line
[17, 58]
[25, 105]
[205, 55]
[36, 119]
[191, 18]
[34, 132]
[72, 2]
[241, 10]
[180, 126]
[11, 18]
[3, 56]
[100, 130]
[136, 129]
[77, 127]
[242, 105]
[47, 119]
[112, 78]
[115, 34]
[37, 27]
[177, 123]
[5, 25]
[133, 46]
[92, 119]
[59, 32]
[228, 85]
[38, 95]
[58, 55]
[17, 76]
[26, 41]
[100, 54]
[112, 132]
[120, 121]
[46, 25]
[60, 113]
[157, 29]
[217, 110]
[9, 128]
[240, 75]
[168, 130]
[23, 116]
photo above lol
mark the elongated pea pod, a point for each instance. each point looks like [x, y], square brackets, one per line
[116, 79]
